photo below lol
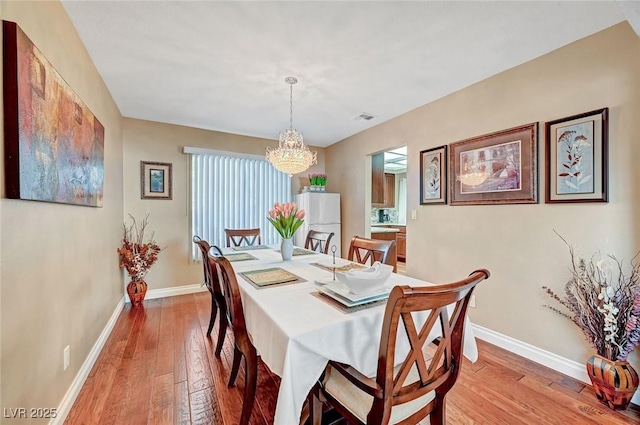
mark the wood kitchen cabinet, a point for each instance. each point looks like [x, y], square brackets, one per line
[401, 242]
[383, 185]
[388, 236]
[400, 237]
[377, 179]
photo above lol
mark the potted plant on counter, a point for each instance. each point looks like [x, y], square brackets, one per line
[604, 303]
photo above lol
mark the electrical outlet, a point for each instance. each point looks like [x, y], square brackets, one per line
[472, 301]
[66, 355]
[414, 214]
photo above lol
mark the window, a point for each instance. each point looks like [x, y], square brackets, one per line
[233, 193]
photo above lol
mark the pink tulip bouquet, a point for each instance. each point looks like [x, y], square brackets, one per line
[286, 218]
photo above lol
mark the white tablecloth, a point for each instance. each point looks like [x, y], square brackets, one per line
[296, 334]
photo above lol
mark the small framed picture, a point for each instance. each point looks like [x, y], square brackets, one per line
[433, 176]
[576, 158]
[497, 168]
[155, 180]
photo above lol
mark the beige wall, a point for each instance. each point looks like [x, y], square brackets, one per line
[515, 242]
[60, 278]
[153, 141]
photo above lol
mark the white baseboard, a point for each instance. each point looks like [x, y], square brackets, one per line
[73, 391]
[172, 292]
[546, 358]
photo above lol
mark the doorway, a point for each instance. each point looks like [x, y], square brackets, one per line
[389, 197]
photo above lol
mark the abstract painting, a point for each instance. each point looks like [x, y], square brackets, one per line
[576, 161]
[54, 145]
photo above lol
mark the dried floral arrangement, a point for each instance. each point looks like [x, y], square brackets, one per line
[604, 302]
[136, 255]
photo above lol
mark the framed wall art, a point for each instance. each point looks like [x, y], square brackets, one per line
[433, 176]
[53, 144]
[156, 180]
[497, 168]
[576, 158]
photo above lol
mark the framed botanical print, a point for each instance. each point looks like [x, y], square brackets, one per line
[497, 168]
[433, 176]
[576, 158]
[155, 180]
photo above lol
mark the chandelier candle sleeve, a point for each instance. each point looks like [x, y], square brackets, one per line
[291, 156]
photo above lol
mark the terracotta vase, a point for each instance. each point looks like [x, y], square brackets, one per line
[137, 289]
[614, 382]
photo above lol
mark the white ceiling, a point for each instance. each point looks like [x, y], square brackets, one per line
[221, 65]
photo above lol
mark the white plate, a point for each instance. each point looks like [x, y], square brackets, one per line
[340, 288]
[344, 301]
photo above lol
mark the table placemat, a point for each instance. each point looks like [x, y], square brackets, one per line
[343, 269]
[268, 278]
[241, 256]
[343, 308]
[300, 251]
[249, 247]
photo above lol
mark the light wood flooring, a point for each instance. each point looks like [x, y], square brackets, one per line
[157, 367]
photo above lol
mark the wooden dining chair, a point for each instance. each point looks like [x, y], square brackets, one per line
[243, 237]
[367, 251]
[318, 241]
[212, 282]
[406, 390]
[243, 347]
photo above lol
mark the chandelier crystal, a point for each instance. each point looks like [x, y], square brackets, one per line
[291, 156]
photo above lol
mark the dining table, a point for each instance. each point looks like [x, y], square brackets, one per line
[296, 328]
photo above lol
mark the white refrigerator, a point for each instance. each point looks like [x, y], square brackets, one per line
[322, 215]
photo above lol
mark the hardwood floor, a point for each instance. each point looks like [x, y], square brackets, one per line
[158, 367]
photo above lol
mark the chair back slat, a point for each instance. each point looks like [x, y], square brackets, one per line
[243, 237]
[231, 292]
[367, 251]
[443, 368]
[318, 241]
[206, 265]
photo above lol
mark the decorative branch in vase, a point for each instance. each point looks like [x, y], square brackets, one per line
[137, 256]
[604, 303]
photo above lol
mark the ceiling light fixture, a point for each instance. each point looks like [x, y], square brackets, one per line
[291, 156]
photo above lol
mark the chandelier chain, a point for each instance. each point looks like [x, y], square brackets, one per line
[291, 105]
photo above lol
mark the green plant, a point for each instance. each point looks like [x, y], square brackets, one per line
[286, 218]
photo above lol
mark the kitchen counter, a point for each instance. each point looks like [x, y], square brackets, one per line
[384, 230]
[387, 223]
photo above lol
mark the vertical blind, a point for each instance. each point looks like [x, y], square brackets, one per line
[234, 193]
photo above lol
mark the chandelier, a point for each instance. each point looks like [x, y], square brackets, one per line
[291, 156]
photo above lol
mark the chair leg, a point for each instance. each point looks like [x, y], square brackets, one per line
[250, 383]
[237, 356]
[315, 409]
[222, 332]
[214, 313]
[438, 414]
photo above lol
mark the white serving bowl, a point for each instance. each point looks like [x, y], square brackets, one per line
[366, 280]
